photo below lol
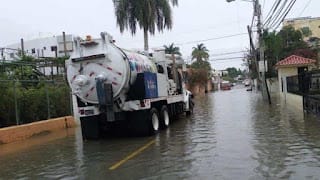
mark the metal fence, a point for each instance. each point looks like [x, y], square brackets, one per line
[311, 104]
[307, 85]
[27, 101]
[293, 85]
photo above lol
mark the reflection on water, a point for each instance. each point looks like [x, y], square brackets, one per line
[287, 144]
[231, 135]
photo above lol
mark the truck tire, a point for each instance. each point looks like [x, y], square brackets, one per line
[164, 117]
[153, 121]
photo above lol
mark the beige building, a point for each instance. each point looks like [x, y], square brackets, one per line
[313, 23]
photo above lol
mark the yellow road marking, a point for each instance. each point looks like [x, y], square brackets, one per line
[132, 155]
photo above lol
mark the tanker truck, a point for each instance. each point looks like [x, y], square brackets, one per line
[113, 86]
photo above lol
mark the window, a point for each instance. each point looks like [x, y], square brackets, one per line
[160, 69]
[54, 48]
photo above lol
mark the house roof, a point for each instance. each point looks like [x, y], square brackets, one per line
[295, 61]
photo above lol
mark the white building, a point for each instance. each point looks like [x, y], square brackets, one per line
[38, 48]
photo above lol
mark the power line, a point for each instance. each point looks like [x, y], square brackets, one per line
[228, 53]
[279, 13]
[211, 39]
[305, 7]
[272, 12]
[269, 15]
[285, 15]
[225, 59]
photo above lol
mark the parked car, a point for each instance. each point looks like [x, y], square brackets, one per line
[225, 85]
[247, 82]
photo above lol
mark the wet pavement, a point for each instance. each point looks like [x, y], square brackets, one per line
[231, 135]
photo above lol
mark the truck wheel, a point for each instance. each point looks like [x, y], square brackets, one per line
[153, 121]
[164, 117]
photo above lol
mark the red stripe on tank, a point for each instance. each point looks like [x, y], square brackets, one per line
[73, 78]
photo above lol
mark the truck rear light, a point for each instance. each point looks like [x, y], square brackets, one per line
[142, 104]
[81, 111]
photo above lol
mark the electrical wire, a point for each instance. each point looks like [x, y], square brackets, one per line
[228, 53]
[278, 13]
[271, 12]
[285, 15]
[211, 39]
[305, 7]
[224, 59]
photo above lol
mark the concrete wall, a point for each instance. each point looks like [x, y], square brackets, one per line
[283, 73]
[289, 98]
[21, 132]
[294, 100]
[273, 85]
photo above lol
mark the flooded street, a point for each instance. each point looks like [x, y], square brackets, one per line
[231, 135]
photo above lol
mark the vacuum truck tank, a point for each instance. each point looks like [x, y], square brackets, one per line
[112, 84]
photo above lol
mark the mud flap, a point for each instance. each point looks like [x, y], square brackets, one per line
[109, 102]
[105, 98]
[90, 127]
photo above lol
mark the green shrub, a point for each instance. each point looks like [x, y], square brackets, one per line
[32, 102]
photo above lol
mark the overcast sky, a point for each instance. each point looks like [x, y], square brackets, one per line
[194, 20]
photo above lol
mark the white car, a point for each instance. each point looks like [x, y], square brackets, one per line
[246, 82]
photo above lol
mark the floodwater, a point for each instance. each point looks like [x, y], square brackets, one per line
[231, 135]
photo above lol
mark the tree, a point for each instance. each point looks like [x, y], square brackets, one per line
[173, 50]
[279, 45]
[201, 65]
[291, 40]
[233, 72]
[250, 61]
[306, 32]
[147, 14]
[201, 68]
[200, 53]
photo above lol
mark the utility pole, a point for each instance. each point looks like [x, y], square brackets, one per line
[64, 43]
[22, 47]
[262, 69]
[253, 51]
[265, 91]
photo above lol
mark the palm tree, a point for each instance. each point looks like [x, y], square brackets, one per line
[200, 53]
[173, 50]
[147, 14]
